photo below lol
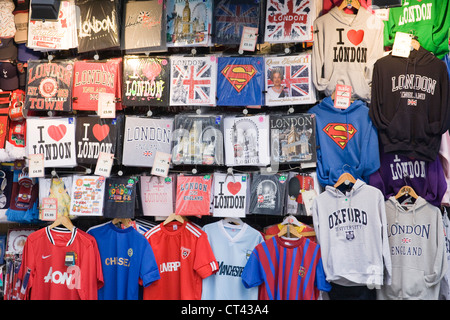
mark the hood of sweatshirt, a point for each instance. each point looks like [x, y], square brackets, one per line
[337, 193]
[407, 208]
[328, 104]
[360, 18]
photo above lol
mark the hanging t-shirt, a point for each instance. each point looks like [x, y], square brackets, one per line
[293, 138]
[193, 195]
[231, 194]
[230, 18]
[193, 80]
[59, 189]
[143, 137]
[184, 256]
[247, 140]
[49, 86]
[120, 197]
[91, 78]
[94, 135]
[289, 21]
[288, 80]
[127, 258]
[268, 193]
[286, 270]
[145, 81]
[232, 246]
[240, 81]
[197, 139]
[98, 25]
[87, 195]
[54, 138]
[58, 264]
[158, 195]
[144, 17]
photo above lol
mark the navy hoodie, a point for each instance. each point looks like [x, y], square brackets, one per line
[346, 140]
[410, 102]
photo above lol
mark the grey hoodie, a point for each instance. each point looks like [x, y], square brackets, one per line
[417, 245]
[345, 49]
[351, 230]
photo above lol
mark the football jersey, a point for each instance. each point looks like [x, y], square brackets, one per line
[232, 246]
[185, 258]
[126, 258]
[286, 269]
[61, 265]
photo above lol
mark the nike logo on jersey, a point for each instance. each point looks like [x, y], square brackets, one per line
[45, 257]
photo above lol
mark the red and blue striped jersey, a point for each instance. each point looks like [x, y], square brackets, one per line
[286, 269]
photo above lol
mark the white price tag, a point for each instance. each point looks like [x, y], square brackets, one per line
[161, 164]
[342, 96]
[402, 44]
[382, 14]
[49, 209]
[106, 105]
[104, 164]
[248, 39]
[36, 167]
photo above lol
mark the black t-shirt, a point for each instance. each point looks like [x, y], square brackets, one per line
[120, 197]
[268, 194]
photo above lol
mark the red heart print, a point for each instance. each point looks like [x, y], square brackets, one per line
[355, 37]
[57, 132]
[234, 187]
[100, 131]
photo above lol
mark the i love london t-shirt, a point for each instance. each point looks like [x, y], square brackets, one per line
[230, 195]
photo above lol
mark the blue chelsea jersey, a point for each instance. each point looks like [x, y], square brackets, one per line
[127, 261]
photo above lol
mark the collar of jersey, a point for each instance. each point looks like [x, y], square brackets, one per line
[61, 230]
[237, 236]
[166, 230]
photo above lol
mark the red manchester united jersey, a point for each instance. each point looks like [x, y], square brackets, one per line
[60, 264]
[184, 256]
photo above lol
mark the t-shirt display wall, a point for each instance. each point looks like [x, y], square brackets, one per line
[225, 150]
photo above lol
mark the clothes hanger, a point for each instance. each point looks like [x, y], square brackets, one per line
[62, 220]
[175, 217]
[345, 178]
[124, 221]
[349, 4]
[406, 191]
[236, 222]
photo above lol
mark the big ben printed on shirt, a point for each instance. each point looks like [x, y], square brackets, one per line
[189, 23]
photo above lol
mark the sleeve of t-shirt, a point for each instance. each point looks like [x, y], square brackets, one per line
[320, 281]
[252, 275]
[205, 263]
[28, 263]
[149, 268]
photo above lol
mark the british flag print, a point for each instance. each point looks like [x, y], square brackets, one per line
[230, 17]
[288, 80]
[289, 20]
[193, 81]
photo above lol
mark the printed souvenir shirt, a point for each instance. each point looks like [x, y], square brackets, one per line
[44, 265]
[184, 256]
[127, 259]
[232, 246]
[347, 141]
[427, 19]
[286, 270]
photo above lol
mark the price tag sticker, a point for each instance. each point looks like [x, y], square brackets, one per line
[49, 209]
[106, 105]
[248, 39]
[104, 164]
[36, 167]
[161, 164]
[402, 44]
[342, 96]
